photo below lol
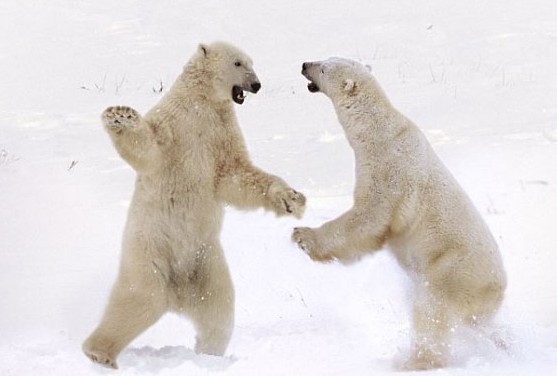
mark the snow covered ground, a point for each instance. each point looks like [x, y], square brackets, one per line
[477, 76]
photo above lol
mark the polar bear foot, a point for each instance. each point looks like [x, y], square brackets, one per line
[421, 364]
[118, 118]
[100, 357]
[423, 359]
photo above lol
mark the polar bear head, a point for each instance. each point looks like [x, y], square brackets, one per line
[336, 77]
[229, 70]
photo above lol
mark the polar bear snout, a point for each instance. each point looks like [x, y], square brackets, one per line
[246, 80]
[306, 68]
[255, 87]
[250, 82]
[310, 71]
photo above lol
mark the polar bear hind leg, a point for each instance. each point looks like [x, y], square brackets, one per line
[208, 301]
[432, 331]
[214, 321]
[133, 307]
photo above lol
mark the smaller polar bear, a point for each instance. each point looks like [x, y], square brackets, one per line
[191, 161]
[407, 200]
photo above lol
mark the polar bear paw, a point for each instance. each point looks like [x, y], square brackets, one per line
[422, 363]
[306, 238]
[118, 118]
[101, 358]
[287, 201]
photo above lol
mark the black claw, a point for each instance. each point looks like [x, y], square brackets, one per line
[288, 209]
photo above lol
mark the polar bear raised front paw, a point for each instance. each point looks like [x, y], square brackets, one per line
[118, 118]
[306, 238]
[287, 201]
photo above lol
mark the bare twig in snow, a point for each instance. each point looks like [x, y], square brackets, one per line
[72, 165]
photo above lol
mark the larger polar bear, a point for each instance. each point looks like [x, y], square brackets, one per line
[191, 160]
[407, 200]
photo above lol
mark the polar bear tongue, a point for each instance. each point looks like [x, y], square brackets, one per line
[238, 94]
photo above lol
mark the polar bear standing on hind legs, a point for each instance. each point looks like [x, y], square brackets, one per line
[406, 199]
[191, 160]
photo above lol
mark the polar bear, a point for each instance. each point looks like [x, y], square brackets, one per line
[407, 200]
[191, 160]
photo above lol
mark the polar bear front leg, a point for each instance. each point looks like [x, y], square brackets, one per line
[345, 238]
[246, 186]
[132, 137]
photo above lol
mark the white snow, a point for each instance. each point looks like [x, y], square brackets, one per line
[477, 76]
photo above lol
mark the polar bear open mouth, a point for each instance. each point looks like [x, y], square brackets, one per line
[238, 95]
[312, 87]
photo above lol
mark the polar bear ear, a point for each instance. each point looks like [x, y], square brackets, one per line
[203, 48]
[350, 87]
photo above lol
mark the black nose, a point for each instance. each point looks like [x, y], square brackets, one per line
[255, 87]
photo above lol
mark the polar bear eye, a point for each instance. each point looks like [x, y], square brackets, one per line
[237, 63]
[322, 71]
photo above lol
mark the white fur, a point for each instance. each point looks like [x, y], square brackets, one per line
[407, 200]
[191, 160]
